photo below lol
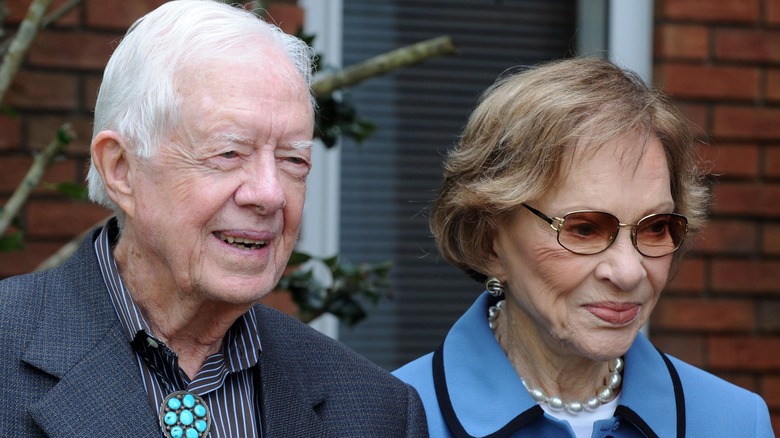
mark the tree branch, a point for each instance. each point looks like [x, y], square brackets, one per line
[47, 20]
[59, 12]
[382, 64]
[42, 161]
[21, 43]
[69, 248]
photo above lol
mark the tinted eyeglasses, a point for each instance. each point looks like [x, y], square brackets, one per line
[591, 232]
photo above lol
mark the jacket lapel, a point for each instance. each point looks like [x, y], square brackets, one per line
[96, 386]
[101, 393]
[291, 402]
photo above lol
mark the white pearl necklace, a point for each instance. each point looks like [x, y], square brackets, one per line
[604, 394]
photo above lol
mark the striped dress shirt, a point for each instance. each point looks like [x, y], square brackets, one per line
[226, 380]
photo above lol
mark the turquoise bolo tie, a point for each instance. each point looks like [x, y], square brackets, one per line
[184, 415]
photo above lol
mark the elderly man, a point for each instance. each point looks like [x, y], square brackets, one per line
[203, 126]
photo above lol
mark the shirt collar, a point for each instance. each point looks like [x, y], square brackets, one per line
[241, 345]
[486, 392]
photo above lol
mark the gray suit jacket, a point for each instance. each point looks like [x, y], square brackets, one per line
[67, 370]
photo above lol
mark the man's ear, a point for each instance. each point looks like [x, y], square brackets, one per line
[112, 160]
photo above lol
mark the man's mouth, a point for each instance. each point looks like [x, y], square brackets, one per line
[241, 242]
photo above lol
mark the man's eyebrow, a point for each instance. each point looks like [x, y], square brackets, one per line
[301, 144]
[232, 137]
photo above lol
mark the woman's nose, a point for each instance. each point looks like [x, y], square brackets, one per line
[622, 263]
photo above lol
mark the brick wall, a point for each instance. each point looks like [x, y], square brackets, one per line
[58, 84]
[720, 60]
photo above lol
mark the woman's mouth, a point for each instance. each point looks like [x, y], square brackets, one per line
[614, 313]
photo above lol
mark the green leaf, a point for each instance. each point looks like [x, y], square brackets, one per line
[298, 258]
[64, 136]
[8, 111]
[70, 189]
[12, 242]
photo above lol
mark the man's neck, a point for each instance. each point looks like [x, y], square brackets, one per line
[190, 325]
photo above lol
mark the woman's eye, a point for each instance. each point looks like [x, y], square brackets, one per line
[229, 154]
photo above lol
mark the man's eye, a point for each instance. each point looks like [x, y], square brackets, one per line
[229, 154]
[296, 160]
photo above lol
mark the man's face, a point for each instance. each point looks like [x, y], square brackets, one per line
[218, 209]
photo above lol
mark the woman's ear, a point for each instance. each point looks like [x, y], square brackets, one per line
[493, 265]
[112, 160]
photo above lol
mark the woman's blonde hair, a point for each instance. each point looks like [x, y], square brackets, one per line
[513, 147]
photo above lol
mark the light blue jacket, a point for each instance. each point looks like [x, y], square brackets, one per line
[481, 394]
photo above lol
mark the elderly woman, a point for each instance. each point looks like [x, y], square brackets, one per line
[570, 195]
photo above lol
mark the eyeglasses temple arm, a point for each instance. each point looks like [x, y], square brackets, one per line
[548, 219]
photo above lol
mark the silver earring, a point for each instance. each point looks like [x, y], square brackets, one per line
[494, 286]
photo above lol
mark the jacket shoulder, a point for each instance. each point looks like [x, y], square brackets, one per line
[712, 403]
[359, 397]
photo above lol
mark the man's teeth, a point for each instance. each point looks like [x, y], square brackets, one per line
[242, 242]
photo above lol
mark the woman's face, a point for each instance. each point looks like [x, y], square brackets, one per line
[587, 305]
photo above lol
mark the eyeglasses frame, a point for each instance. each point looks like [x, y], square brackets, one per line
[556, 223]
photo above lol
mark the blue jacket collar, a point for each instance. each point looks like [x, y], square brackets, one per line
[486, 393]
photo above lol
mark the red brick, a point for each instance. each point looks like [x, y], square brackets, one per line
[772, 12]
[744, 353]
[698, 116]
[20, 262]
[775, 418]
[281, 301]
[770, 244]
[747, 45]
[91, 87]
[702, 315]
[743, 380]
[770, 390]
[288, 17]
[42, 91]
[729, 161]
[61, 219]
[16, 167]
[689, 348]
[117, 15]
[772, 162]
[746, 122]
[722, 11]
[768, 310]
[40, 130]
[772, 92]
[727, 237]
[746, 276]
[679, 41]
[18, 10]
[710, 82]
[73, 50]
[747, 199]
[10, 132]
[689, 277]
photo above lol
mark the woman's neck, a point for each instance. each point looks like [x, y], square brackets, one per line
[543, 362]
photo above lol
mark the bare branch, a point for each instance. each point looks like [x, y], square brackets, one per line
[48, 20]
[382, 64]
[60, 12]
[42, 161]
[21, 43]
[69, 248]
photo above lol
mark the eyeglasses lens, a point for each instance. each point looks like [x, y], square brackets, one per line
[593, 232]
[660, 234]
